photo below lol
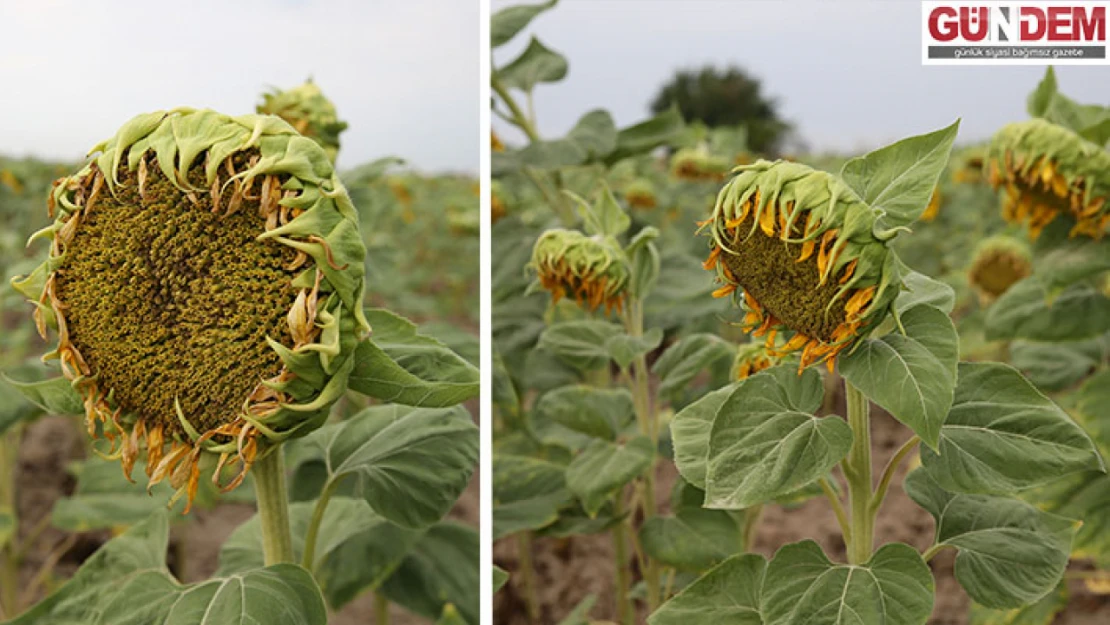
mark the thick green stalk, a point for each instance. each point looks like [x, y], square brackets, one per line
[273, 507]
[620, 563]
[9, 561]
[857, 469]
[309, 558]
[527, 575]
[381, 609]
[649, 426]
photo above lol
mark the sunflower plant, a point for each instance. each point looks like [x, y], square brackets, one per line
[806, 256]
[204, 289]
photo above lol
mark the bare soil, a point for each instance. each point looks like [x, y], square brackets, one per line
[51, 442]
[568, 570]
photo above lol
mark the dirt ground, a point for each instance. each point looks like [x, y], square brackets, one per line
[568, 570]
[50, 443]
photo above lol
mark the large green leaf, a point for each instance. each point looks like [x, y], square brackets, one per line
[536, 64]
[580, 344]
[527, 493]
[1063, 260]
[103, 498]
[442, 569]
[625, 348]
[1003, 436]
[411, 463]
[14, 407]
[1026, 311]
[688, 357]
[690, 431]
[900, 178]
[1057, 366]
[595, 133]
[600, 413]
[728, 593]
[400, 365]
[1010, 553]
[603, 467]
[506, 23]
[912, 375]
[802, 586]
[693, 539]
[765, 441]
[1093, 408]
[250, 597]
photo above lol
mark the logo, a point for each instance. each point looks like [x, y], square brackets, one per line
[1014, 33]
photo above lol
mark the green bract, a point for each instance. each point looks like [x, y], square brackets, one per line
[1047, 170]
[807, 253]
[205, 280]
[591, 269]
[309, 112]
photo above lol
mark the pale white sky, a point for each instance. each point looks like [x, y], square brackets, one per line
[847, 73]
[404, 74]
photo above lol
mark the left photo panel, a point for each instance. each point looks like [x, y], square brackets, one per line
[239, 320]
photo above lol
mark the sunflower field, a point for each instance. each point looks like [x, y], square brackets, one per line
[226, 367]
[766, 389]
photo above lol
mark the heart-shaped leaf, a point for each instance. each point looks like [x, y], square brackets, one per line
[580, 344]
[1026, 311]
[527, 493]
[506, 23]
[802, 586]
[912, 375]
[411, 463]
[600, 413]
[692, 540]
[535, 65]
[441, 569]
[1003, 436]
[900, 178]
[1010, 553]
[765, 441]
[690, 431]
[688, 357]
[603, 467]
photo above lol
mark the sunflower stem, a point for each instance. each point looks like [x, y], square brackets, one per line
[620, 563]
[381, 609]
[309, 558]
[649, 426]
[857, 468]
[273, 507]
[528, 575]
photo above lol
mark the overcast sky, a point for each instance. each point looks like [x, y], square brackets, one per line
[404, 74]
[847, 73]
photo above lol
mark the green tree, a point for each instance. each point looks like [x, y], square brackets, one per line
[728, 97]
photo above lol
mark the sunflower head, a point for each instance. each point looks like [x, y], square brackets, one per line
[495, 143]
[205, 281]
[306, 109]
[592, 270]
[640, 193]
[999, 262]
[969, 169]
[1048, 170]
[933, 209]
[698, 165]
[497, 205]
[796, 249]
[751, 358]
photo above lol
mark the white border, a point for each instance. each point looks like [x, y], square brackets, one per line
[485, 420]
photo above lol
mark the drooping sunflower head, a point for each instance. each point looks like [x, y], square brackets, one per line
[592, 270]
[640, 193]
[205, 281]
[698, 165]
[796, 249]
[751, 358]
[309, 112]
[933, 209]
[1048, 171]
[969, 167]
[999, 262]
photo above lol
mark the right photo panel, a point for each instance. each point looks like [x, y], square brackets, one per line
[800, 313]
